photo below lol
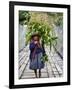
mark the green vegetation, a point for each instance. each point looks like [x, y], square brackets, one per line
[42, 23]
[44, 58]
[24, 17]
[56, 18]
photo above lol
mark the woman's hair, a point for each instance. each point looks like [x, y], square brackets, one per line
[32, 36]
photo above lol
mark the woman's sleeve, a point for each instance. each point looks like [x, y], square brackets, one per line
[32, 46]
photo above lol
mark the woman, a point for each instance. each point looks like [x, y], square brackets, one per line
[36, 52]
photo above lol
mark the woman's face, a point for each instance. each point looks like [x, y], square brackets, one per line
[36, 38]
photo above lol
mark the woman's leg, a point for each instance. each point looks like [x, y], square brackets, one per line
[39, 73]
[35, 71]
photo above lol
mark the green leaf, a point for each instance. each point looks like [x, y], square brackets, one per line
[44, 58]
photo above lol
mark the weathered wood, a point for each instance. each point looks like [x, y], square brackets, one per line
[53, 68]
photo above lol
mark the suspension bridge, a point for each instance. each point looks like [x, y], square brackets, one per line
[53, 68]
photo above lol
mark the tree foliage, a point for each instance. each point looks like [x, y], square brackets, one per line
[56, 18]
[24, 17]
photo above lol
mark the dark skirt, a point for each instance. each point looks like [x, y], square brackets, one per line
[36, 63]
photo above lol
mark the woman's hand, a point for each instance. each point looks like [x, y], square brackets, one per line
[35, 42]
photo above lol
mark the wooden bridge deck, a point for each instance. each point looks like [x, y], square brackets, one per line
[53, 68]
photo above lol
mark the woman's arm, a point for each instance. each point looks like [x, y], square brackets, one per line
[39, 45]
[32, 46]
